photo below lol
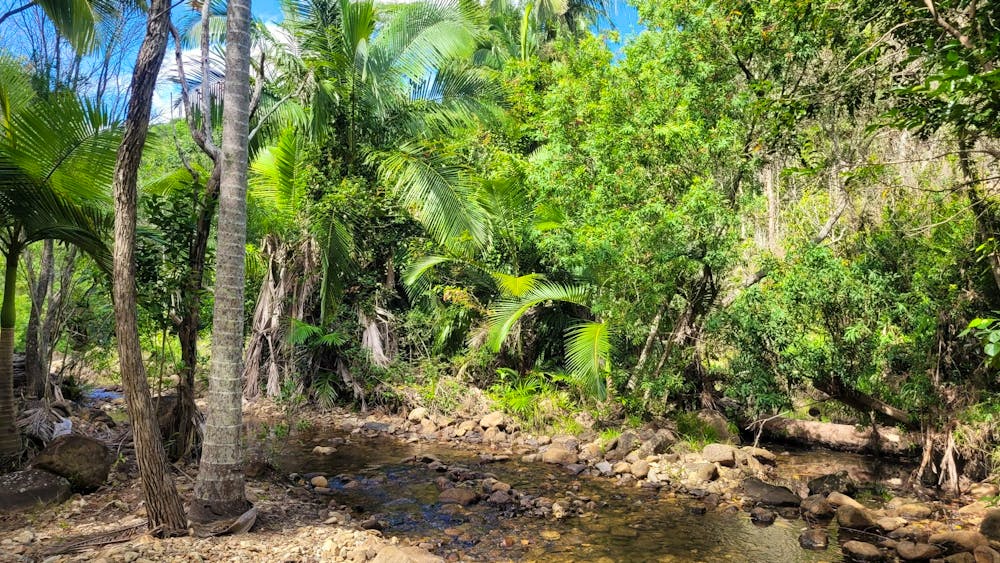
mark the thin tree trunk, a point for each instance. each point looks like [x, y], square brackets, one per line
[10, 440]
[35, 341]
[220, 489]
[163, 503]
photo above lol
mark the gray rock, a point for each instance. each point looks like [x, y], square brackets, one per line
[26, 489]
[760, 454]
[958, 541]
[417, 414]
[605, 468]
[862, 551]
[492, 419]
[622, 446]
[718, 424]
[83, 461]
[839, 499]
[702, 471]
[723, 454]
[815, 538]
[769, 495]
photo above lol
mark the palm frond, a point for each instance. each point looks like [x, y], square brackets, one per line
[588, 356]
[416, 278]
[516, 286]
[508, 311]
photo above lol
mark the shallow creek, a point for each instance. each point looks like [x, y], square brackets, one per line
[373, 477]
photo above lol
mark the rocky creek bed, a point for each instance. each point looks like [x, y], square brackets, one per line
[431, 488]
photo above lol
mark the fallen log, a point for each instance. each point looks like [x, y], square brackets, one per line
[842, 437]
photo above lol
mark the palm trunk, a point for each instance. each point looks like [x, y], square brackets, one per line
[219, 491]
[36, 340]
[10, 440]
[163, 503]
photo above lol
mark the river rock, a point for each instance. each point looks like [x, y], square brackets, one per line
[962, 557]
[814, 538]
[762, 515]
[499, 497]
[621, 467]
[458, 495]
[702, 471]
[839, 482]
[862, 551]
[26, 489]
[558, 454]
[990, 526]
[621, 446]
[980, 490]
[605, 468]
[855, 518]
[417, 414]
[760, 454]
[958, 541]
[566, 441]
[83, 461]
[640, 469]
[493, 419]
[319, 481]
[769, 495]
[659, 443]
[890, 523]
[839, 499]
[723, 454]
[978, 509]
[407, 554]
[914, 511]
[986, 554]
[815, 506]
[427, 427]
[324, 450]
[910, 551]
[591, 451]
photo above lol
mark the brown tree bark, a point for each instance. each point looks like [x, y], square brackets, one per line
[220, 488]
[163, 503]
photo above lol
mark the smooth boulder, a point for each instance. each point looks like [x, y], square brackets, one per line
[83, 461]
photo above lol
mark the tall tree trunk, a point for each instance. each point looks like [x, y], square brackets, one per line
[10, 440]
[36, 341]
[219, 491]
[163, 503]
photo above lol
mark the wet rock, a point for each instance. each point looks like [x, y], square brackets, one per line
[815, 506]
[702, 471]
[855, 518]
[458, 495]
[700, 509]
[910, 551]
[769, 495]
[890, 523]
[914, 511]
[815, 538]
[862, 551]
[26, 489]
[986, 554]
[839, 499]
[408, 554]
[550, 535]
[417, 414]
[374, 426]
[83, 461]
[764, 516]
[491, 420]
[912, 532]
[575, 468]
[559, 511]
[990, 526]
[958, 541]
[318, 481]
[839, 482]
[558, 454]
[640, 469]
[324, 450]
[723, 454]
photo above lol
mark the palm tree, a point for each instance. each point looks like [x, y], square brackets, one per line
[219, 490]
[56, 157]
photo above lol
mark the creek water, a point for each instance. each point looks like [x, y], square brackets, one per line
[373, 477]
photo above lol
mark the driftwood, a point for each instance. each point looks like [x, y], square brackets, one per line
[843, 437]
